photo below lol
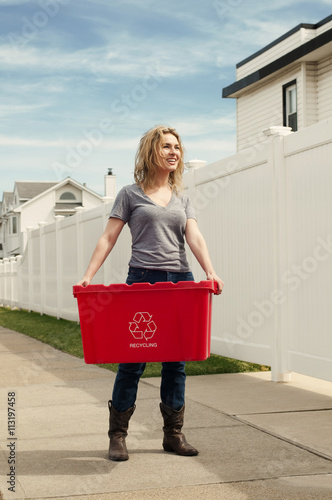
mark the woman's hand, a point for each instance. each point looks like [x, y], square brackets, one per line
[220, 283]
[84, 282]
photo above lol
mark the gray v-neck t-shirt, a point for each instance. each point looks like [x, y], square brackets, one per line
[157, 232]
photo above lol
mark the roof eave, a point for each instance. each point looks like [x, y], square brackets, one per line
[278, 64]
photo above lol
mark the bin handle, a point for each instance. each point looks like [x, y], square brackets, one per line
[215, 287]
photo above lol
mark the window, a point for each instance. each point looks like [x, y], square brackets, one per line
[14, 225]
[67, 195]
[290, 105]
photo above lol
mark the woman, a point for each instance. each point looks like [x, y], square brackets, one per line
[159, 217]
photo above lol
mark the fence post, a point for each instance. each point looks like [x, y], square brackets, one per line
[29, 249]
[279, 371]
[105, 214]
[42, 265]
[59, 264]
[79, 242]
[12, 278]
[192, 166]
[19, 281]
[5, 280]
[2, 282]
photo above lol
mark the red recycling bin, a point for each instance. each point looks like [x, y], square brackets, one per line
[143, 322]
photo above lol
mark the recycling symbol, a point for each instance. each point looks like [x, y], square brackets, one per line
[142, 326]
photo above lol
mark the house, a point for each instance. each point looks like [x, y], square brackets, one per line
[286, 84]
[33, 202]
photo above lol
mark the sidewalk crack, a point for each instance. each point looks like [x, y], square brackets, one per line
[285, 439]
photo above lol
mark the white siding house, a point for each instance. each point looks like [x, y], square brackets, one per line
[35, 203]
[287, 83]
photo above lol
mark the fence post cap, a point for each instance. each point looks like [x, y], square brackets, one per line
[195, 164]
[277, 130]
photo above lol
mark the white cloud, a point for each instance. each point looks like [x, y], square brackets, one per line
[133, 59]
[120, 144]
[210, 145]
[12, 2]
[21, 88]
[208, 42]
[13, 109]
[36, 143]
[201, 125]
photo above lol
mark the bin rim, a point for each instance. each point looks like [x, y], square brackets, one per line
[208, 285]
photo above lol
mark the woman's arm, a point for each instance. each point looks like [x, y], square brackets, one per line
[104, 246]
[198, 247]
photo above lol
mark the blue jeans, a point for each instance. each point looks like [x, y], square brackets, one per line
[173, 376]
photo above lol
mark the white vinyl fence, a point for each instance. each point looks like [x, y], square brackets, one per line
[56, 257]
[267, 219]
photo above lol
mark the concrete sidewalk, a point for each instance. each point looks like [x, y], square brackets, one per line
[257, 440]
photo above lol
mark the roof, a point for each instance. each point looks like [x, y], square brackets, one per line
[55, 185]
[292, 56]
[283, 37]
[29, 189]
[7, 197]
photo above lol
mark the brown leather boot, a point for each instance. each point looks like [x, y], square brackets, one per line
[174, 439]
[117, 433]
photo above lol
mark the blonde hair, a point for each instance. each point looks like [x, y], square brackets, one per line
[146, 158]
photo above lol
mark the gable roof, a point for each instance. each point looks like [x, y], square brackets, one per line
[29, 189]
[80, 186]
[57, 185]
[7, 197]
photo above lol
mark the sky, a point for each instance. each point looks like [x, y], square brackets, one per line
[82, 80]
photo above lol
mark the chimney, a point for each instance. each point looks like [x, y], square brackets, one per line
[110, 184]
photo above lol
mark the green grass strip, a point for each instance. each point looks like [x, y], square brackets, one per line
[66, 336]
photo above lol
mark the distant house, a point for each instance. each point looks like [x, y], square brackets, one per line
[287, 83]
[34, 202]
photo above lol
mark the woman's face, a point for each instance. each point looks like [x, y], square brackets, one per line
[169, 153]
